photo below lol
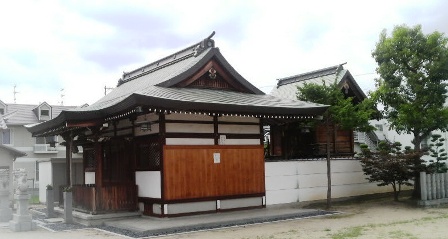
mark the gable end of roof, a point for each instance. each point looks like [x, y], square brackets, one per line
[191, 51]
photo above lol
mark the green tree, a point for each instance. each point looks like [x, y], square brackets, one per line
[414, 72]
[438, 153]
[389, 165]
[343, 112]
[413, 87]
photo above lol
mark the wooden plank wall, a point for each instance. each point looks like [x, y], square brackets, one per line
[189, 172]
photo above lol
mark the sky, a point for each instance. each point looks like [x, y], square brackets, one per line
[67, 52]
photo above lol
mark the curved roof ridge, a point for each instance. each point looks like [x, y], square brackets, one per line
[193, 50]
[311, 74]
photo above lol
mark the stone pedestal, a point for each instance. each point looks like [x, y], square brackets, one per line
[5, 210]
[50, 204]
[68, 208]
[21, 220]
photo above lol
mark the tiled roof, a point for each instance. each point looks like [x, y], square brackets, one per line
[153, 86]
[287, 87]
[22, 114]
[13, 151]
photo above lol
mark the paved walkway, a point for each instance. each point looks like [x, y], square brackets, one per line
[144, 226]
[150, 226]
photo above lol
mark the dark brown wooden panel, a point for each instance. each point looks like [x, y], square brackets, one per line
[190, 171]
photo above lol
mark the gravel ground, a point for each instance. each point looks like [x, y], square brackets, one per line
[366, 219]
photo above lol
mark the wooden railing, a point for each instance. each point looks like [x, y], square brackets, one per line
[105, 199]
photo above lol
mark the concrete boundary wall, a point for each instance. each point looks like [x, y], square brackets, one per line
[303, 181]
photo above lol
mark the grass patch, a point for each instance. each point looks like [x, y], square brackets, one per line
[401, 235]
[351, 232]
[34, 199]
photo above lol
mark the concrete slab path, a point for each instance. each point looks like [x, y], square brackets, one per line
[151, 226]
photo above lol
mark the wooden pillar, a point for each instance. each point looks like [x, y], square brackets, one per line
[215, 129]
[99, 163]
[261, 131]
[68, 137]
[162, 135]
[98, 157]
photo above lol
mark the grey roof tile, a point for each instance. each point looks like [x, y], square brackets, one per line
[22, 114]
[153, 86]
[287, 87]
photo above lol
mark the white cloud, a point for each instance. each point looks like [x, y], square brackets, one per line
[83, 46]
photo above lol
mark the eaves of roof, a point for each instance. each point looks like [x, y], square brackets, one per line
[16, 153]
[189, 100]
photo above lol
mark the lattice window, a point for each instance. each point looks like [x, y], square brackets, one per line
[154, 156]
[148, 154]
[89, 159]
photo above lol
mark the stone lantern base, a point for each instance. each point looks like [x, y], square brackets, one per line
[22, 220]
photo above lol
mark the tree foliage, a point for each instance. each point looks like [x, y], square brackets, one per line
[413, 85]
[437, 165]
[342, 110]
[389, 165]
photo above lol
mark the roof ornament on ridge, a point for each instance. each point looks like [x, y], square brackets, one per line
[206, 43]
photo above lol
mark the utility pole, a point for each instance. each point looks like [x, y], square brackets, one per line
[62, 96]
[15, 92]
[106, 89]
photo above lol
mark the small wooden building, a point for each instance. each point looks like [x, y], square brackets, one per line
[178, 136]
[301, 140]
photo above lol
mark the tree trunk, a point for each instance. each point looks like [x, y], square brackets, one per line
[416, 192]
[395, 192]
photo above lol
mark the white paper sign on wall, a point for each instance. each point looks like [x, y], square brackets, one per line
[216, 157]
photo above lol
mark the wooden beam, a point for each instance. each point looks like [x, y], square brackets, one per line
[83, 124]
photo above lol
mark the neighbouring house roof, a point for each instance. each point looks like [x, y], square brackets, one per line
[23, 114]
[287, 87]
[14, 152]
[168, 85]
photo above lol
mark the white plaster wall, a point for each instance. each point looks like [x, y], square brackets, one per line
[189, 128]
[241, 202]
[192, 117]
[149, 184]
[45, 178]
[238, 119]
[89, 178]
[238, 129]
[301, 181]
[242, 142]
[191, 207]
[189, 141]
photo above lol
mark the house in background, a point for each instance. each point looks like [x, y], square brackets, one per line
[287, 141]
[178, 136]
[45, 157]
